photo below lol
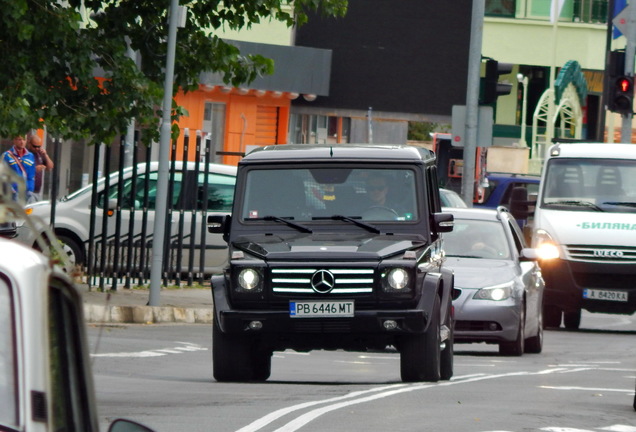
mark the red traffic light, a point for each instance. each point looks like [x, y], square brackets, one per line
[624, 85]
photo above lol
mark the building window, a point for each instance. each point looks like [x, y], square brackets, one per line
[500, 8]
[214, 125]
[318, 129]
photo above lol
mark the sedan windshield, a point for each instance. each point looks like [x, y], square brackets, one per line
[328, 194]
[477, 239]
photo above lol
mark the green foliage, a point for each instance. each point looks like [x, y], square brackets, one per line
[420, 131]
[54, 50]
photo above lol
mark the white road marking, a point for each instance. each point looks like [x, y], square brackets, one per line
[354, 398]
[587, 389]
[619, 428]
[186, 347]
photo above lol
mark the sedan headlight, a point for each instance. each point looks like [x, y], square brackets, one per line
[250, 279]
[546, 247]
[396, 279]
[495, 293]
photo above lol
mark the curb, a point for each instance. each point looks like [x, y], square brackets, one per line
[146, 314]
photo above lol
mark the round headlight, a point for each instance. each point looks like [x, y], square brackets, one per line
[248, 279]
[398, 278]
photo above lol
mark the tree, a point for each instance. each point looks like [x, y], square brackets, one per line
[54, 51]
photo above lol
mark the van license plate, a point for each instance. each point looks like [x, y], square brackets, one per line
[315, 309]
[594, 294]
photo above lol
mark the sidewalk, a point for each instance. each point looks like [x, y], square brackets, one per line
[180, 305]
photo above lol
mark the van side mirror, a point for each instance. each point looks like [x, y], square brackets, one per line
[519, 203]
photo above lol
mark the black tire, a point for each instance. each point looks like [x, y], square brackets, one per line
[420, 353]
[262, 365]
[447, 356]
[231, 359]
[515, 348]
[534, 344]
[551, 317]
[74, 251]
[572, 320]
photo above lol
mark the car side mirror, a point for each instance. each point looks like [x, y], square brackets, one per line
[123, 425]
[529, 254]
[219, 224]
[444, 222]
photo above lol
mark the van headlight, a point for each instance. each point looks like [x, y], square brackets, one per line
[545, 245]
[495, 293]
[250, 280]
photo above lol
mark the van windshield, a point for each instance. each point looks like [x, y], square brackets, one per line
[315, 194]
[590, 185]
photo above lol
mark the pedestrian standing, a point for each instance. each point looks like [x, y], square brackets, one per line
[42, 162]
[22, 161]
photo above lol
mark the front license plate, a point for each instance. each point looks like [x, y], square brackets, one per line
[314, 309]
[594, 294]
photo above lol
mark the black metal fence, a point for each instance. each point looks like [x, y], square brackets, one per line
[119, 249]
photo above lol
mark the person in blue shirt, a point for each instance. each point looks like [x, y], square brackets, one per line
[22, 161]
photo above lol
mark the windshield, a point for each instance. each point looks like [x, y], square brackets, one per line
[477, 239]
[313, 194]
[590, 185]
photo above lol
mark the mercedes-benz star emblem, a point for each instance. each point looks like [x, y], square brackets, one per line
[323, 281]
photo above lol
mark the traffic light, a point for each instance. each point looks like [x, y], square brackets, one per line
[491, 87]
[621, 95]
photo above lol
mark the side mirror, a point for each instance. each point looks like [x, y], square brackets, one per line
[220, 224]
[444, 222]
[529, 254]
[123, 425]
[519, 203]
[8, 230]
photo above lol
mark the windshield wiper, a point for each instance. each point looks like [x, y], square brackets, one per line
[361, 224]
[299, 227]
[621, 203]
[576, 203]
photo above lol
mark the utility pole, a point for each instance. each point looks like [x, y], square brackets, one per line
[164, 152]
[472, 100]
[626, 125]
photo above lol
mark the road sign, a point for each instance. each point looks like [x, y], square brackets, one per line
[624, 20]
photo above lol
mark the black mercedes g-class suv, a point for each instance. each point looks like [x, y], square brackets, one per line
[334, 247]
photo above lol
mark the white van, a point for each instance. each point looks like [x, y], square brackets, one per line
[585, 220]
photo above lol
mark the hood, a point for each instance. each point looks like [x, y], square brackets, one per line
[580, 227]
[475, 273]
[333, 246]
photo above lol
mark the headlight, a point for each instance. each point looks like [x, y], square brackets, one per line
[546, 247]
[495, 293]
[249, 279]
[397, 279]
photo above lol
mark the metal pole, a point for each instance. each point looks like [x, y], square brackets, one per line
[524, 107]
[164, 148]
[626, 125]
[472, 100]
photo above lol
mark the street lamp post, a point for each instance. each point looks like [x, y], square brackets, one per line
[523, 80]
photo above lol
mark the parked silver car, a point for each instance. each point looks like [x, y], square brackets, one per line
[499, 287]
[451, 198]
[129, 206]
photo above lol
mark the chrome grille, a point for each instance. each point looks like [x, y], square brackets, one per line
[346, 280]
[604, 254]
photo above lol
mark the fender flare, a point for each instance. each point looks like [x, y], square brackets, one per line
[219, 298]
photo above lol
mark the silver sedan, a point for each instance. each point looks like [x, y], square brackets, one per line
[499, 287]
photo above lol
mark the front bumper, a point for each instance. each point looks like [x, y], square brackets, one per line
[566, 280]
[366, 329]
[485, 320]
